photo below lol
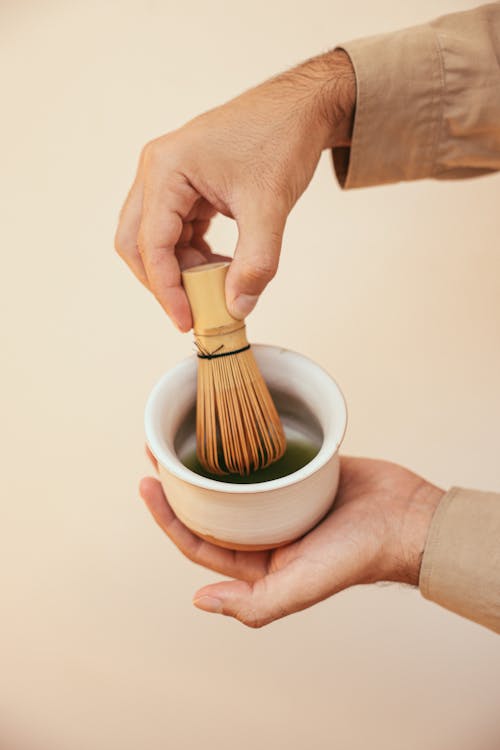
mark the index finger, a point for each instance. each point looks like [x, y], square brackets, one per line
[168, 199]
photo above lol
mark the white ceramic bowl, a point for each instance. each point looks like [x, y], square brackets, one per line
[265, 514]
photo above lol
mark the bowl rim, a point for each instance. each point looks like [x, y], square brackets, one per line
[171, 463]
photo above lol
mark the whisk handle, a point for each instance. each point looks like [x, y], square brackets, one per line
[205, 289]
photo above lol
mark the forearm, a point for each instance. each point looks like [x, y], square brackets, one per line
[329, 83]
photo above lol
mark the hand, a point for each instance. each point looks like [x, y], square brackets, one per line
[249, 159]
[376, 531]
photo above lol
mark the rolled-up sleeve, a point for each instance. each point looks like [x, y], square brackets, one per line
[461, 562]
[427, 103]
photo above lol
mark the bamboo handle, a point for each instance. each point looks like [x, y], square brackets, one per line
[215, 330]
[205, 289]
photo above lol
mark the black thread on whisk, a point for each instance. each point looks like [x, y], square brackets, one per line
[216, 354]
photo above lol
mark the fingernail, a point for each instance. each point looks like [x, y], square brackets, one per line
[208, 604]
[242, 305]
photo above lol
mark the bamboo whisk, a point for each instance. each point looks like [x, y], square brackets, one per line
[238, 429]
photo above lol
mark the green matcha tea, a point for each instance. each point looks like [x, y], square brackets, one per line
[298, 453]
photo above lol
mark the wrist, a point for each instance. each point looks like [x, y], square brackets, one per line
[415, 528]
[323, 90]
[335, 97]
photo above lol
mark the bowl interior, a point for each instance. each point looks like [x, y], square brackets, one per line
[308, 399]
[299, 423]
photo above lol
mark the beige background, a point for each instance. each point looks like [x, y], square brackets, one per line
[394, 290]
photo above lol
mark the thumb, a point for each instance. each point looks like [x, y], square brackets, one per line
[256, 258]
[256, 604]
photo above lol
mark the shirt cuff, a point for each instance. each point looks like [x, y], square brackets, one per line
[461, 562]
[399, 96]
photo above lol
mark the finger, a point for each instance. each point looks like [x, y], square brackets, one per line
[127, 230]
[151, 458]
[200, 227]
[277, 595]
[188, 257]
[247, 566]
[260, 232]
[202, 245]
[168, 199]
[186, 234]
[202, 209]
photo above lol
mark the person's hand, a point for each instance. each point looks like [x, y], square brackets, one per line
[376, 531]
[249, 159]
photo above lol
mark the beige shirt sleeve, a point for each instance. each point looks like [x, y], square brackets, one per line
[428, 105]
[428, 102]
[461, 563]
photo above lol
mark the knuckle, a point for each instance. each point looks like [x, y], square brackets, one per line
[120, 244]
[193, 550]
[144, 245]
[150, 150]
[275, 238]
[141, 246]
[153, 152]
[251, 619]
[162, 150]
[262, 270]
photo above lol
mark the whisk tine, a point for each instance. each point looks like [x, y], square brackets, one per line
[238, 429]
